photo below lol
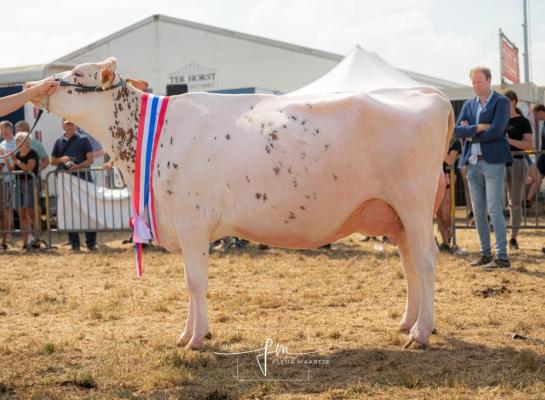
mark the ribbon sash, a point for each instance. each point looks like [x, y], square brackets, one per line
[152, 116]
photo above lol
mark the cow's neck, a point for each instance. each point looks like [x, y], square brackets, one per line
[115, 123]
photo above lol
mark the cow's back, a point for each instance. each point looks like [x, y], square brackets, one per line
[297, 167]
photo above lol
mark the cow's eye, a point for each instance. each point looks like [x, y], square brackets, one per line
[78, 74]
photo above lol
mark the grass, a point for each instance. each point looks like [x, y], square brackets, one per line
[83, 326]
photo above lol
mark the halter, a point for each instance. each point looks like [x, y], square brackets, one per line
[79, 88]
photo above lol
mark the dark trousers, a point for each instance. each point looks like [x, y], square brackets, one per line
[90, 239]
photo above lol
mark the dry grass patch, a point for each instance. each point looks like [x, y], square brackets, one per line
[83, 326]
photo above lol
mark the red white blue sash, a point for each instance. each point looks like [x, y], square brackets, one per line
[152, 116]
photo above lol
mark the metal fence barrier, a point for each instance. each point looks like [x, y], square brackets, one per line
[20, 207]
[533, 210]
[86, 200]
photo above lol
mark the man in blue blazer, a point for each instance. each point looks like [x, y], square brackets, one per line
[482, 124]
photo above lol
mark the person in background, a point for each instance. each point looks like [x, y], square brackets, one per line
[519, 132]
[73, 151]
[9, 104]
[539, 112]
[444, 218]
[25, 159]
[482, 124]
[37, 146]
[6, 146]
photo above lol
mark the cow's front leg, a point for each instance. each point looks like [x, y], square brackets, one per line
[194, 243]
[186, 335]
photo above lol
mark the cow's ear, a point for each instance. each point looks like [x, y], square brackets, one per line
[110, 62]
[107, 76]
[137, 83]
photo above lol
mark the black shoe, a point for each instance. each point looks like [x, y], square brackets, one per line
[263, 247]
[75, 247]
[444, 247]
[513, 244]
[325, 247]
[498, 263]
[92, 248]
[484, 260]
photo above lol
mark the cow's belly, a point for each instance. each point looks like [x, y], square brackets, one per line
[373, 217]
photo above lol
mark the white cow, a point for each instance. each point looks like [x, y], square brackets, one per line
[296, 172]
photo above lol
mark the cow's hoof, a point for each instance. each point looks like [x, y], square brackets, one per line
[208, 336]
[434, 332]
[404, 330]
[405, 327]
[412, 343]
[183, 340]
[194, 345]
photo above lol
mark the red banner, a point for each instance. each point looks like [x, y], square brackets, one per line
[510, 60]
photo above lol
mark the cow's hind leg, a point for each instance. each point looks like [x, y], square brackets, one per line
[194, 243]
[379, 218]
[412, 306]
[423, 250]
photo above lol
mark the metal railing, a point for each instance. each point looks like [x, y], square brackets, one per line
[74, 203]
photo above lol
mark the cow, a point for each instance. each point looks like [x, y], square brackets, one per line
[286, 171]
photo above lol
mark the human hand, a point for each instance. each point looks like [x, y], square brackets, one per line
[39, 89]
[464, 123]
[108, 165]
[46, 86]
[482, 127]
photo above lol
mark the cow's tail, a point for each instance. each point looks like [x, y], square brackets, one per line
[450, 130]
[441, 187]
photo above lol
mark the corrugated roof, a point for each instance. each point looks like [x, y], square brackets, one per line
[202, 27]
[25, 73]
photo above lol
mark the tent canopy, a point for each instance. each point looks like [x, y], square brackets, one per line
[359, 71]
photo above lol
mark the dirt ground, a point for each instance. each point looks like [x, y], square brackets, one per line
[83, 326]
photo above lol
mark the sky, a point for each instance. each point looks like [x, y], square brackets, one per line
[442, 38]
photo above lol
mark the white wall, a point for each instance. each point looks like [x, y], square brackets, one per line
[159, 48]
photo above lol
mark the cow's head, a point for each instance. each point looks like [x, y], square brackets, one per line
[84, 88]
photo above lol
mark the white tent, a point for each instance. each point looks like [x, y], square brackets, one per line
[359, 71]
